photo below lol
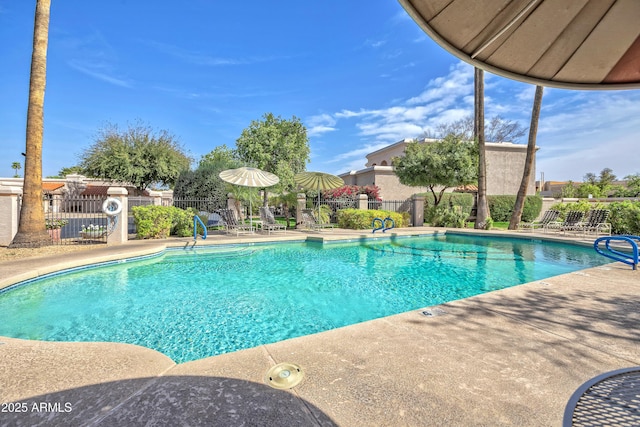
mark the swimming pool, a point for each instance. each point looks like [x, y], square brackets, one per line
[190, 304]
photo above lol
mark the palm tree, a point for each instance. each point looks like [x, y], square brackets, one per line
[16, 166]
[31, 228]
[482, 213]
[516, 215]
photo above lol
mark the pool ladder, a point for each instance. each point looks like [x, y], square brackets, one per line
[196, 221]
[609, 252]
[383, 224]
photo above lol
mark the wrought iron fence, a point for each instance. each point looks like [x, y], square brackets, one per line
[75, 220]
[133, 201]
[392, 205]
[208, 205]
[400, 206]
[334, 205]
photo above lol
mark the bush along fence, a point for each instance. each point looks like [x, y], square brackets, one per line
[155, 220]
[80, 220]
[456, 209]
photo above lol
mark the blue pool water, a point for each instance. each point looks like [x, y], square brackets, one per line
[190, 304]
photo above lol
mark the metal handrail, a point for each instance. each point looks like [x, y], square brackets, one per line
[632, 260]
[196, 221]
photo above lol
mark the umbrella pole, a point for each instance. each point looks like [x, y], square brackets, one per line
[319, 220]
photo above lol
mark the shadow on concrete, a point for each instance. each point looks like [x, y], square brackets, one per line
[167, 401]
[608, 321]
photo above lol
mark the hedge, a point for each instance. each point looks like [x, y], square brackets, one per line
[501, 208]
[357, 219]
[158, 222]
[624, 216]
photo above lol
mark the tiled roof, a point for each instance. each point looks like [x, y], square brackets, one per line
[466, 189]
[95, 190]
[51, 186]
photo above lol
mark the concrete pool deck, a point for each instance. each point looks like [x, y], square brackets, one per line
[509, 357]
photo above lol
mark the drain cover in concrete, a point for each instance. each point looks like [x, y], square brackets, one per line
[284, 375]
[433, 312]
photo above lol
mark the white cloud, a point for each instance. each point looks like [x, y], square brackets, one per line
[457, 83]
[94, 56]
[322, 123]
[579, 132]
[586, 132]
[98, 71]
[206, 59]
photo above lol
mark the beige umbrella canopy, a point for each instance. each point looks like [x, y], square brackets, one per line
[578, 44]
[249, 177]
[318, 181]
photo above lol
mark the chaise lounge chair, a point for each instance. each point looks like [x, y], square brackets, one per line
[548, 217]
[571, 220]
[269, 222]
[310, 221]
[596, 221]
[231, 223]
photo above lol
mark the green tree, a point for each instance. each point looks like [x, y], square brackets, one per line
[204, 182]
[597, 186]
[498, 129]
[605, 181]
[590, 178]
[569, 190]
[447, 163]
[16, 166]
[275, 145]
[72, 170]
[32, 231]
[221, 155]
[586, 189]
[138, 155]
[632, 189]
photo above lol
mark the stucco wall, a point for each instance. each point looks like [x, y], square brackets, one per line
[505, 164]
[385, 179]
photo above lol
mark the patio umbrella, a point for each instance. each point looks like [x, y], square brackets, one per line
[318, 181]
[249, 177]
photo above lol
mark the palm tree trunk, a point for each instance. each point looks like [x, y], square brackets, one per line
[478, 129]
[31, 228]
[516, 215]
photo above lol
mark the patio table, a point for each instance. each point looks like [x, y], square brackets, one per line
[610, 399]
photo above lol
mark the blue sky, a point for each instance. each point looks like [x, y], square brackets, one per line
[359, 74]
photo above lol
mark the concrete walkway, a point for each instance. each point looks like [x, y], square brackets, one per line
[507, 358]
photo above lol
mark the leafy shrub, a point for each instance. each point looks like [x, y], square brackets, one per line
[357, 219]
[501, 207]
[182, 221]
[625, 217]
[152, 222]
[158, 222]
[442, 216]
[458, 202]
[580, 205]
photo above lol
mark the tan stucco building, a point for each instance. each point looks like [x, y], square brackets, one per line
[505, 165]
